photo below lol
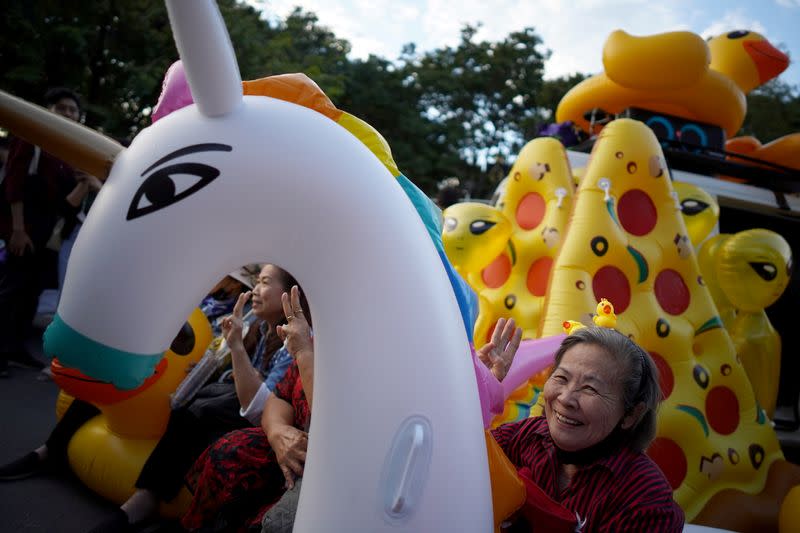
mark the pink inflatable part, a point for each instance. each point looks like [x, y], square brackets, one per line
[533, 356]
[175, 92]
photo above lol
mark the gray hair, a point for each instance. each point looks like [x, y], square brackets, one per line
[640, 377]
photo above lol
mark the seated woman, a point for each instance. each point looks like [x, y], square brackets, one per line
[251, 467]
[243, 474]
[217, 409]
[583, 461]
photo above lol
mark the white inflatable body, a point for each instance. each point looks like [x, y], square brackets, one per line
[396, 439]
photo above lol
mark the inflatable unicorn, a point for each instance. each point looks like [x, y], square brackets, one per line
[397, 421]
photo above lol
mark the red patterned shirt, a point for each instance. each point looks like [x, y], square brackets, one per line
[290, 389]
[624, 492]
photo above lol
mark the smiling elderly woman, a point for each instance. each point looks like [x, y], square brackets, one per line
[583, 462]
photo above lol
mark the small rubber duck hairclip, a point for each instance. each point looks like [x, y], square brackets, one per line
[605, 318]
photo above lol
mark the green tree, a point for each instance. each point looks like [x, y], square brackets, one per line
[479, 96]
[115, 53]
[301, 44]
[552, 92]
[376, 91]
[773, 110]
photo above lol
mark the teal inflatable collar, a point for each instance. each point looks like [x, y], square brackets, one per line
[125, 370]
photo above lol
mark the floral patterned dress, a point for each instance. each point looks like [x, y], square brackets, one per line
[237, 479]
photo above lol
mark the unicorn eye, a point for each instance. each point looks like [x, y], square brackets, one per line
[450, 223]
[480, 226]
[767, 271]
[169, 185]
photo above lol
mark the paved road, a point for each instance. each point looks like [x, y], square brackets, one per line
[46, 502]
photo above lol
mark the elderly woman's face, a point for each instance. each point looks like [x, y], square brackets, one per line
[583, 397]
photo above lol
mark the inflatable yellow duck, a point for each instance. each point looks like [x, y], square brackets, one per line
[753, 268]
[108, 452]
[714, 444]
[677, 73]
[784, 151]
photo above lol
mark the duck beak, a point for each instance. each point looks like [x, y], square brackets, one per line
[769, 60]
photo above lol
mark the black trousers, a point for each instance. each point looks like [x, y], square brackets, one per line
[214, 412]
[76, 415]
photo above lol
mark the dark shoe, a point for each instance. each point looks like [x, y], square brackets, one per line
[21, 468]
[23, 358]
[117, 523]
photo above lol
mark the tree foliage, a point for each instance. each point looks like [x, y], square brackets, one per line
[773, 110]
[445, 112]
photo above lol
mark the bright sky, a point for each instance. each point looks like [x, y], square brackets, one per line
[574, 30]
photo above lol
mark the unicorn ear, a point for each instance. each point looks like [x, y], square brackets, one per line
[207, 54]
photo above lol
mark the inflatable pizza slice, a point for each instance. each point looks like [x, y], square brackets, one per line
[536, 201]
[714, 443]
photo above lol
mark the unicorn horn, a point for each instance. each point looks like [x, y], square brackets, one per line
[207, 54]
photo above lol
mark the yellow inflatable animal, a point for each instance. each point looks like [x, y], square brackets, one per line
[707, 261]
[753, 268]
[714, 444]
[108, 452]
[677, 73]
[474, 235]
[784, 151]
[700, 211]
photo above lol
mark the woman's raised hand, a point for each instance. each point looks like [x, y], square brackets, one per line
[232, 325]
[297, 332]
[498, 354]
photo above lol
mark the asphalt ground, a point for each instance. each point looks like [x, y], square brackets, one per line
[48, 501]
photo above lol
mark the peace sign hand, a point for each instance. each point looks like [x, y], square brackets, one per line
[498, 354]
[297, 332]
[232, 325]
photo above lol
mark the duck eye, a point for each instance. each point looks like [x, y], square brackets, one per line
[183, 344]
[450, 223]
[766, 271]
[690, 206]
[738, 34]
[481, 226]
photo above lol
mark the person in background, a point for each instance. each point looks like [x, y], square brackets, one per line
[4, 142]
[450, 192]
[37, 190]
